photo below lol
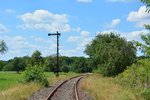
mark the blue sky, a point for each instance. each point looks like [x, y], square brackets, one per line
[24, 25]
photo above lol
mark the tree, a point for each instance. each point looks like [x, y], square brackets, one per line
[80, 65]
[65, 69]
[36, 58]
[110, 54]
[145, 48]
[2, 64]
[147, 3]
[50, 63]
[9, 66]
[19, 64]
[3, 47]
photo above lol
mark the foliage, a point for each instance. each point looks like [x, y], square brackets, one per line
[35, 74]
[147, 27]
[17, 64]
[36, 58]
[81, 65]
[3, 47]
[66, 64]
[147, 3]
[9, 66]
[48, 63]
[146, 38]
[137, 77]
[110, 53]
[145, 48]
[2, 64]
[65, 69]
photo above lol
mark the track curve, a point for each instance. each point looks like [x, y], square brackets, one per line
[67, 90]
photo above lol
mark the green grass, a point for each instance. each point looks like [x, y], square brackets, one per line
[11, 89]
[9, 79]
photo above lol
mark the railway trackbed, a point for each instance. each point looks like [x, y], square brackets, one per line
[64, 90]
[67, 90]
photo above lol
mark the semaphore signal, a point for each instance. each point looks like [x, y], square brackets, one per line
[56, 70]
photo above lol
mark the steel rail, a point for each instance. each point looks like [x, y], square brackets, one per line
[75, 88]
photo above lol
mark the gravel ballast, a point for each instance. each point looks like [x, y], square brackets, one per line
[65, 92]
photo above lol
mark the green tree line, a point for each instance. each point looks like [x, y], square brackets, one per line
[76, 64]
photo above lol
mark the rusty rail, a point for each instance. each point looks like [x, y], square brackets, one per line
[75, 88]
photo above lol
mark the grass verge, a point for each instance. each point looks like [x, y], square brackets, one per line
[20, 91]
[102, 88]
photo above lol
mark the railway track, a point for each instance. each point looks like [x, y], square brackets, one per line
[67, 90]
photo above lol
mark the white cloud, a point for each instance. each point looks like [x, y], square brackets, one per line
[81, 41]
[45, 20]
[9, 11]
[74, 38]
[119, 0]
[134, 35]
[85, 33]
[113, 24]
[3, 28]
[17, 42]
[21, 46]
[17, 46]
[78, 29]
[141, 17]
[69, 52]
[107, 31]
[85, 1]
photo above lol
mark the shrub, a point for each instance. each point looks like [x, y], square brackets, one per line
[137, 77]
[146, 94]
[65, 69]
[35, 74]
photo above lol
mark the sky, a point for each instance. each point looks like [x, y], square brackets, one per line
[25, 24]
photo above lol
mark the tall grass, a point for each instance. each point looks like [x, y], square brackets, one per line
[102, 88]
[20, 91]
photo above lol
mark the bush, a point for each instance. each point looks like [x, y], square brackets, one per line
[137, 77]
[146, 94]
[35, 74]
[65, 69]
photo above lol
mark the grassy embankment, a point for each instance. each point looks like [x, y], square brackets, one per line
[12, 89]
[103, 88]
